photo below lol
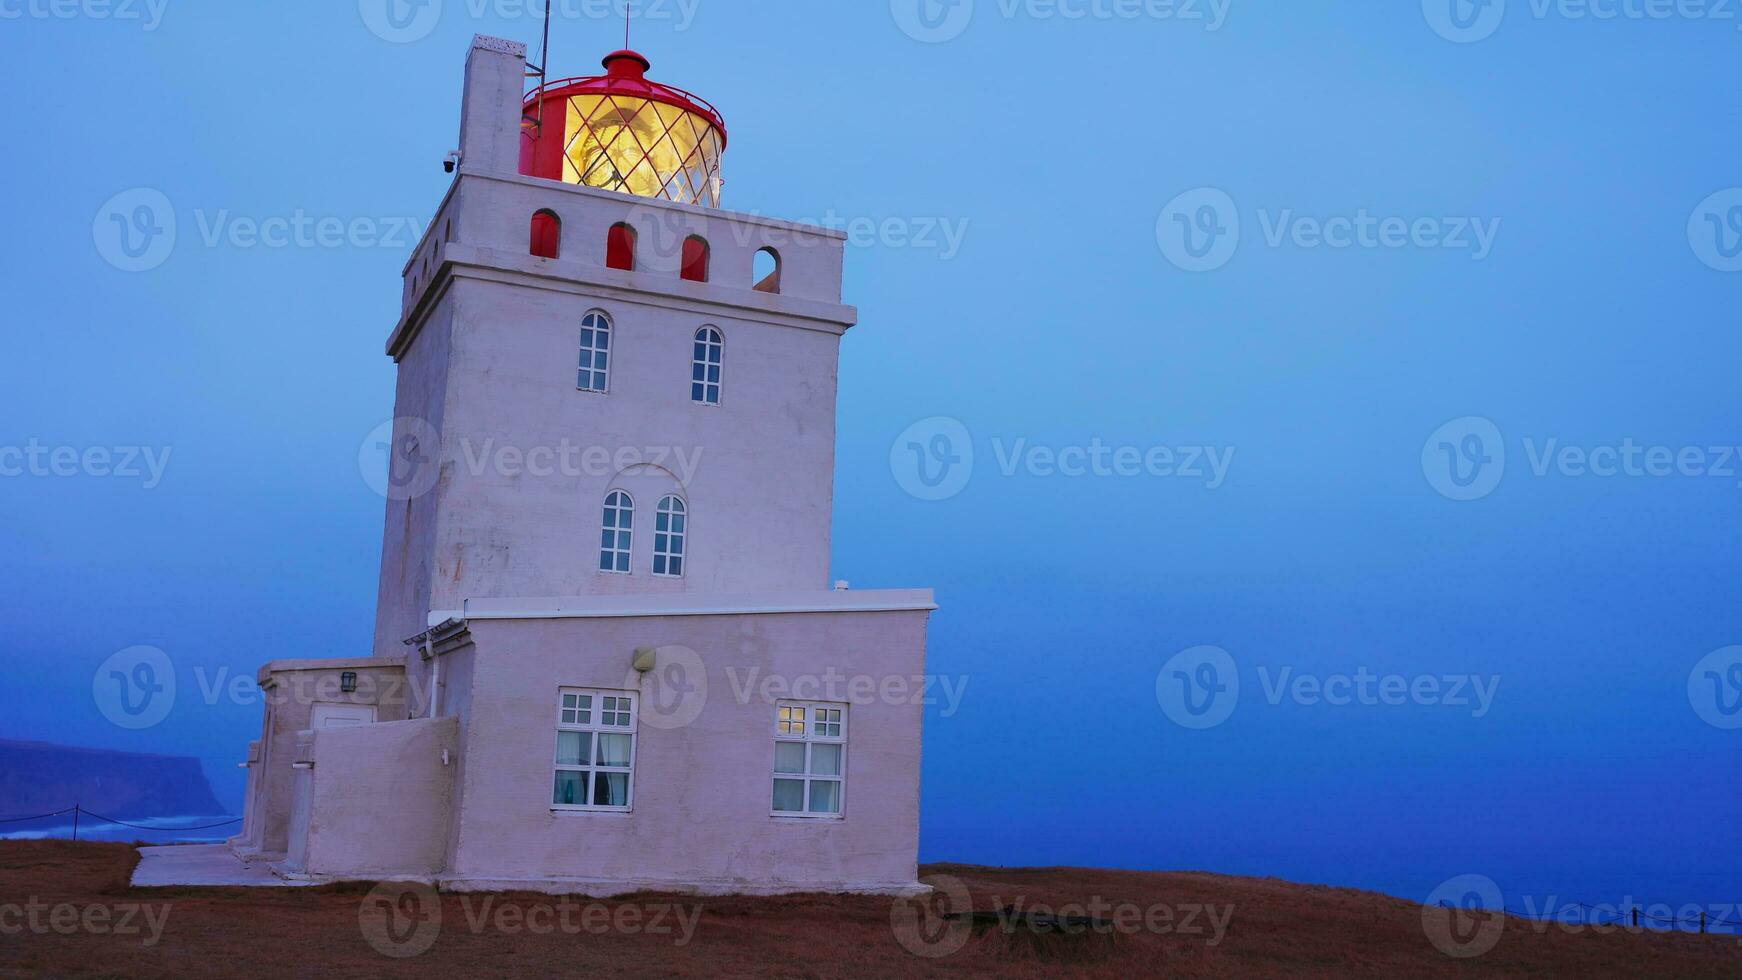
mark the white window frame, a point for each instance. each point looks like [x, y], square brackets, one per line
[711, 355]
[674, 536]
[589, 374]
[573, 718]
[621, 548]
[809, 732]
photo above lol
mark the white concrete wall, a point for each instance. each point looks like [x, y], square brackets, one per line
[377, 801]
[703, 792]
[291, 690]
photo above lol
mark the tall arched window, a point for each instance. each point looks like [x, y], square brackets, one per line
[670, 530]
[614, 538]
[595, 353]
[620, 247]
[547, 234]
[695, 259]
[705, 366]
[766, 271]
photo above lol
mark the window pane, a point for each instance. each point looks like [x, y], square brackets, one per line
[571, 789]
[572, 748]
[789, 795]
[825, 760]
[789, 757]
[610, 789]
[614, 750]
[825, 797]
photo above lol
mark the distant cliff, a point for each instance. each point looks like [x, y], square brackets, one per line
[36, 777]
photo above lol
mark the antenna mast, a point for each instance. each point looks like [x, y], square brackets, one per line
[538, 71]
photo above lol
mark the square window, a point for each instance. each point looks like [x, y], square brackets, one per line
[571, 789]
[594, 766]
[573, 748]
[789, 757]
[810, 760]
[825, 796]
[825, 760]
[610, 789]
[614, 751]
[789, 795]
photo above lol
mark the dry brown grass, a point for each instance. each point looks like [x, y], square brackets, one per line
[1276, 929]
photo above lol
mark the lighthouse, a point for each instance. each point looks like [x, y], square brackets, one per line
[607, 654]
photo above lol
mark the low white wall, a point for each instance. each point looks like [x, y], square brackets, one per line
[378, 800]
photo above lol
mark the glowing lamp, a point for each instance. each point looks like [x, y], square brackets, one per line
[622, 132]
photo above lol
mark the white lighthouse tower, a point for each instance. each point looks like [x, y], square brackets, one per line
[607, 656]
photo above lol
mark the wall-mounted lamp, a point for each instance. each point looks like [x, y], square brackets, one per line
[348, 682]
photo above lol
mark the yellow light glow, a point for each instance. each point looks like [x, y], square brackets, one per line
[641, 147]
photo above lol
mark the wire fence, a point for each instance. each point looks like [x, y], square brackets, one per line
[78, 811]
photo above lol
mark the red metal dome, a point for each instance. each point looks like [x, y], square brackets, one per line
[621, 131]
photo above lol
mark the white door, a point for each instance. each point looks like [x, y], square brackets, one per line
[342, 716]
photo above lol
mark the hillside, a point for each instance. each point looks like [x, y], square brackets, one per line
[37, 777]
[1241, 927]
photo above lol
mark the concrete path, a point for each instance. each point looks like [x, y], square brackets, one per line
[202, 865]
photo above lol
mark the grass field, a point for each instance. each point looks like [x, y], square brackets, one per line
[67, 910]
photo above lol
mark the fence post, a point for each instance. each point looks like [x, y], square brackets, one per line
[1702, 922]
[75, 821]
[1635, 916]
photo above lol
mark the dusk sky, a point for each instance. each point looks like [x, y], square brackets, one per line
[1376, 359]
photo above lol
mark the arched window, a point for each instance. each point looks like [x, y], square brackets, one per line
[766, 272]
[595, 353]
[614, 538]
[710, 350]
[620, 247]
[670, 529]
[695, 259]
[547, 234]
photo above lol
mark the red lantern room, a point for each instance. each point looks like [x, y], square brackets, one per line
[622, 132]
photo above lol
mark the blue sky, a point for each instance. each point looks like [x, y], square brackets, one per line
[1026, 174]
